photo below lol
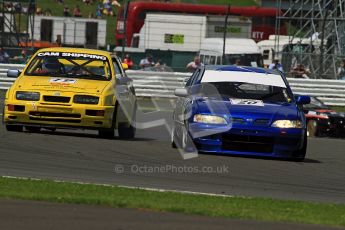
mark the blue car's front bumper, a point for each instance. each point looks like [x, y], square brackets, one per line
[254, 141]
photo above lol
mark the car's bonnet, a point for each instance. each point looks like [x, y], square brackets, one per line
[266, 111]
[61, 84]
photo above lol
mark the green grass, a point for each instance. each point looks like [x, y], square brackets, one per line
[231, 2]
[231, 207]
[57, 9]
[339, 108]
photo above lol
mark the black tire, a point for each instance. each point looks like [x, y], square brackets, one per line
[14, 128]
[312, 128]
[106, 133]
[125, 131]
[300, 154]
[187, 143]
[110, 132]
[173, 144]
[33, 129]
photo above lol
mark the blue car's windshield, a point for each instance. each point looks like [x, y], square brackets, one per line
[240, 90]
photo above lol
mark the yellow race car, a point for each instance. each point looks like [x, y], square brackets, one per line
[72, 88]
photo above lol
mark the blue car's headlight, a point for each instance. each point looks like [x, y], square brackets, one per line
[286, 124]
[27, 96]
[209, 119]
[85, 99]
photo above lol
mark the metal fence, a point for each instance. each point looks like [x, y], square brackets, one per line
[163, 84]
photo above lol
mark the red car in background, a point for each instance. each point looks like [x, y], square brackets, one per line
[322, 120]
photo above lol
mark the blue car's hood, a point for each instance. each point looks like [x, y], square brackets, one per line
[268, 111]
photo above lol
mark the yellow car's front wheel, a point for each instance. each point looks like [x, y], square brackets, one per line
[33, 129]
[106, 133]
[109, 132]
[14, 128]
[126, 131]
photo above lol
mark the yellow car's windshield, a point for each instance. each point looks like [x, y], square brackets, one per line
[71, 65]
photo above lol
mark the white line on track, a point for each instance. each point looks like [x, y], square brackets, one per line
[123, 186]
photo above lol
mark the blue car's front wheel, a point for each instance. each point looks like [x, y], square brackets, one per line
[299, 155]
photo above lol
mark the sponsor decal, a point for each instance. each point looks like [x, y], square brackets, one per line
[174, 38]
[236, 101]
[73, 55]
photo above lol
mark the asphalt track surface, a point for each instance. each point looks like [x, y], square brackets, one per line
[149, 161]
[31, 215]
[82, 156]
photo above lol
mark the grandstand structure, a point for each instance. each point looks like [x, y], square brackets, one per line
[322, 24]
[15, 18]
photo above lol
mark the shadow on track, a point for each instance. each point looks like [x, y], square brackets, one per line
[85, 135]
[268, 158]
[311, 161]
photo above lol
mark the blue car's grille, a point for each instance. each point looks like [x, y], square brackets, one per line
[247, 143]
[259, 121]
[262, 122]
[237, 120]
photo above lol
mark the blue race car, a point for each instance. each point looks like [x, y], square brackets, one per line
[242, 111]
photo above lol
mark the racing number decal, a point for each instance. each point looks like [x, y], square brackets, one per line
[62, 81]
[246, 102]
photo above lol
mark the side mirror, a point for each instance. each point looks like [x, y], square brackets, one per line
[124, 66]
[181, 92]
[303, 100]
[13, 73]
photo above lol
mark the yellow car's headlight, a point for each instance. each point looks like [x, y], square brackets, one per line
[209, 119]
[286, 124]
[27, 96]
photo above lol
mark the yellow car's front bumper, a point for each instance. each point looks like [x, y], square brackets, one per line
[75, 115]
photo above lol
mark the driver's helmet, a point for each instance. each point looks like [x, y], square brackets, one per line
[52, 64]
